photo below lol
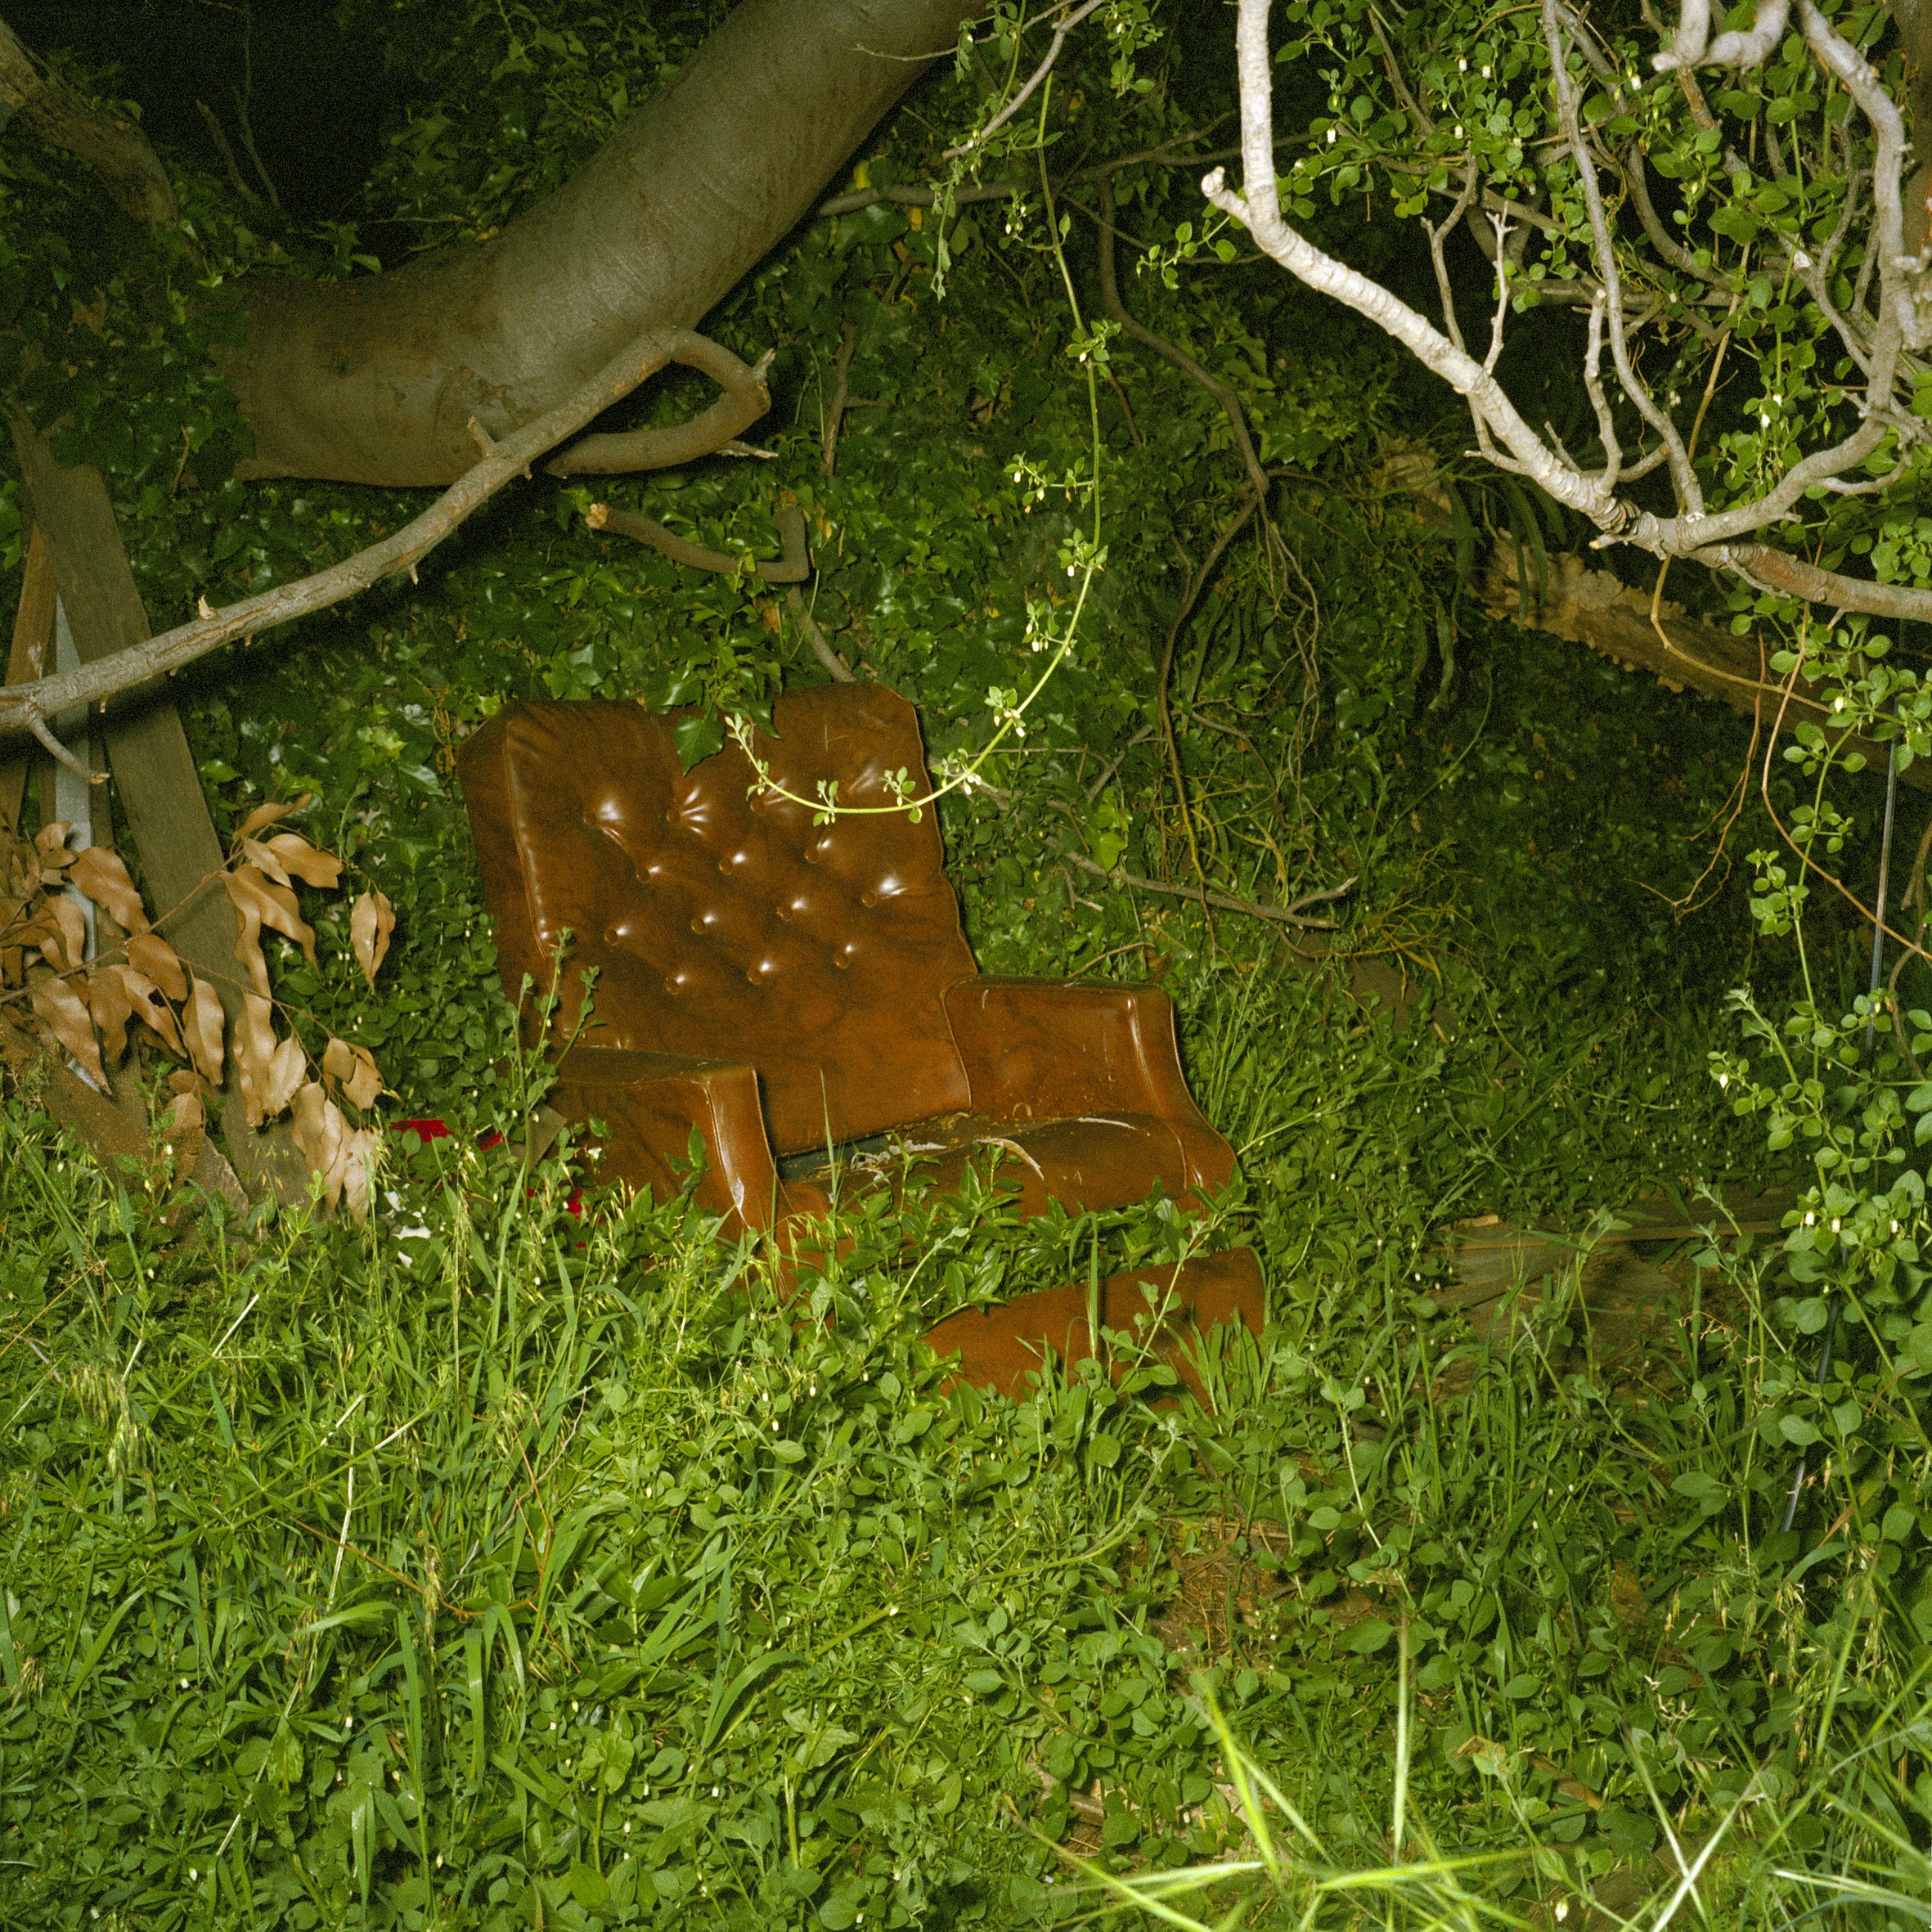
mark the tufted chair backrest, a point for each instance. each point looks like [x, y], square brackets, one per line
[728, 925]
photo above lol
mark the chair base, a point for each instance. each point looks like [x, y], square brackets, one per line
[999, 1348]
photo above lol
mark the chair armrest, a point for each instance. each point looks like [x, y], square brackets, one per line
[1056, 1049]
[649, 1102]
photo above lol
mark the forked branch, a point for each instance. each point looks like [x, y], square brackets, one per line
[1900, 320]
[20, 705]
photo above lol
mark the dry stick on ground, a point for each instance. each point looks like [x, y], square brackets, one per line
[94, 684]
[842, 370]
[1292, 913]
[793, 569]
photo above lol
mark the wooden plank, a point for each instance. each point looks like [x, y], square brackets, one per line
[33, 633]
[155, 783]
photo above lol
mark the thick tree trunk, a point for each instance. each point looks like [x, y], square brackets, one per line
[112, 142]
[375, 380]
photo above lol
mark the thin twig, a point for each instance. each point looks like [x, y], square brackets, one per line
[842, 368]
[794, 568]
[1289, 914]
[228, 154]
[1068, 22]
[1117, 309]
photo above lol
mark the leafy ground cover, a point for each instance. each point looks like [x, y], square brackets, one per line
[486, 1568]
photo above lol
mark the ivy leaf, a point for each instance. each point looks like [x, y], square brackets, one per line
[698, 737]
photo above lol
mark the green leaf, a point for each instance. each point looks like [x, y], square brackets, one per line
[1369, 1636]
[699, 736]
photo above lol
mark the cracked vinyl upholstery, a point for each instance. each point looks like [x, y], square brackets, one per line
[730, 925]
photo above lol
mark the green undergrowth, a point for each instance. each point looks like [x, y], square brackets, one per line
[487, 1567]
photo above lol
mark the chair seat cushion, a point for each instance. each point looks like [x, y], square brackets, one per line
[1091, 1163]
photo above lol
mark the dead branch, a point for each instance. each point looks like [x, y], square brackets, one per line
[1291, 914]
[1787, 576]
[744, 400]
[95, 684]
[1117, 309]
[111, 143]
[794, 568]
[842, 370]
[1592, 608]
[821, 648]
[211, 120]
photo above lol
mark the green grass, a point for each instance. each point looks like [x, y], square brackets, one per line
[525, 1572]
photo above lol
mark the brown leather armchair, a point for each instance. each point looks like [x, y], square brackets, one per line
[802, 994]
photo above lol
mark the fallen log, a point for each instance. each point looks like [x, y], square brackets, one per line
[1681, 651]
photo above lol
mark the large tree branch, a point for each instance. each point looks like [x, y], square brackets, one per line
[1684, 653]
[1522, 451]
[109, 142]
[1791, 577]
[22, 705]
[744, 400]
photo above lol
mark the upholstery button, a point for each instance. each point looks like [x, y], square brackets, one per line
[784, 912]
[868, 898]
[696, 925]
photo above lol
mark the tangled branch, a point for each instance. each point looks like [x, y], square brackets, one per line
[24, 707]
[1890, 317]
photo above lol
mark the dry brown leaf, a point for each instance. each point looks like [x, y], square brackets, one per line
[354, 1069]
[371, 921]
[259, 902]
[267, 815]
[150, 955]
[289, 854]
[183, 1127]
[360, 1153]
[108, 1000]
[184, 1080]
[99, 873]
[145, 1003]
[50, 845]
[203, 1024]
[254, 1057]
[64, 1014]
[286, 1072]
[248, 935]
[259, 857]
[321, 1132]
[64, 945]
